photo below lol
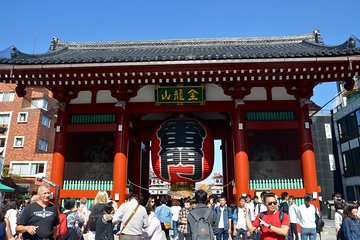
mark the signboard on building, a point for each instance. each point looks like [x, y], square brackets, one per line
[180, 95]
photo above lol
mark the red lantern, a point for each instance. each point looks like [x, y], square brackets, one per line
[182, 151]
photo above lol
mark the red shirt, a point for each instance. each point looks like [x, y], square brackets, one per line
[274, 220]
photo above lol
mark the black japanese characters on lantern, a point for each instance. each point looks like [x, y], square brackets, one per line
[180, 150]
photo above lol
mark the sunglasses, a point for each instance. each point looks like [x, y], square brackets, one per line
[271, 203]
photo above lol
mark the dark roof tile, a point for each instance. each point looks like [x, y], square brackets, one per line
[307, 45]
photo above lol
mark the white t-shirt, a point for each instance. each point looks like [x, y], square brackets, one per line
[153, 231]
[241, 223]
[306, 216]
[175, 210]
[221, 221]
[11, 215]
[251, 208]
[338, 219]
[293, 213]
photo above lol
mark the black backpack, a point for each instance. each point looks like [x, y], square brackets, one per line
[281, 216]
[319, 222]
[98, 210]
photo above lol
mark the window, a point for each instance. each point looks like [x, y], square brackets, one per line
[46, 121]
[2, 145]
[7, 96]
[22, 117]
[19, 141]
[343, 133]
[2, 142]
[27, 168]
[352, 127]
[43, 144]
[4, 118]
[39, 103]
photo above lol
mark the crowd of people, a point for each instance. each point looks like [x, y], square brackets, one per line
[200, 217]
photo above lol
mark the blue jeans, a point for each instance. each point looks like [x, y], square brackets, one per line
[174, 226]
[222, 234]
[240, 234]
[308, 233]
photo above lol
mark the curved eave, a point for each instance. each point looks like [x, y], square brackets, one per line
[187, 62]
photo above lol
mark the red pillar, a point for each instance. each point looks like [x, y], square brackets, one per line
[308, 163]
[120, 157]
[58, 162]
[241, 156]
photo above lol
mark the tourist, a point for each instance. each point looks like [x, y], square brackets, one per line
[339, 215]
[306, 216]
[193, 203]
[153, 231]
[175, 209]
[96, 211]
[224, 217]
[250, 206]
[272, 226]
[11, 214]
[39, 219]
[5, 231]
[104, 226]
[184, 233]
[75, 219]
[200, 210]
[239, 218]
[133, 218]
[293, 214]
[151, 203]
[350, 227]
[163, 213]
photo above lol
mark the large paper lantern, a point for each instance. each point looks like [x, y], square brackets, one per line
[182, 151]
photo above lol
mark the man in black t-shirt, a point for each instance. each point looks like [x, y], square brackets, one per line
[39, 219]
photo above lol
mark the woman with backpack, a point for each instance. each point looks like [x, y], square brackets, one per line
[350, 227]
[104, 225]
[339, 213]
[96, 211]
[74, 220]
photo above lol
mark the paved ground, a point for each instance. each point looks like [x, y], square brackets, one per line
[327, 234]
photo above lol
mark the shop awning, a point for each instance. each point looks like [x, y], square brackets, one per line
[4, 188]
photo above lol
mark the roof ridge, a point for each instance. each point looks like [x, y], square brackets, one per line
[184, 42]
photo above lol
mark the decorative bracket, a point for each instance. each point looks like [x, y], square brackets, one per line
[236, 90]
[124, 93]
[20, 90]
[301, 90]
[64, 95]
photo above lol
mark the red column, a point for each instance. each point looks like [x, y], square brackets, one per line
[241, 156]
[308, 163]
[58, 163]
[120, 157]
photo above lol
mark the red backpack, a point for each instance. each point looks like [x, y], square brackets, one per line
[61, 229]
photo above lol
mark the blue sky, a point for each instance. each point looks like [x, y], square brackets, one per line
[24, 21]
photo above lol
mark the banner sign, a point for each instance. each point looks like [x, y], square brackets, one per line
[180, 95]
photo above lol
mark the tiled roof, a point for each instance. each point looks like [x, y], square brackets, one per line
[307, 45]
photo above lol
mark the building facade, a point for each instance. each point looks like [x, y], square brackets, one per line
[27, 133]
[251, 93]
[346, 122]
